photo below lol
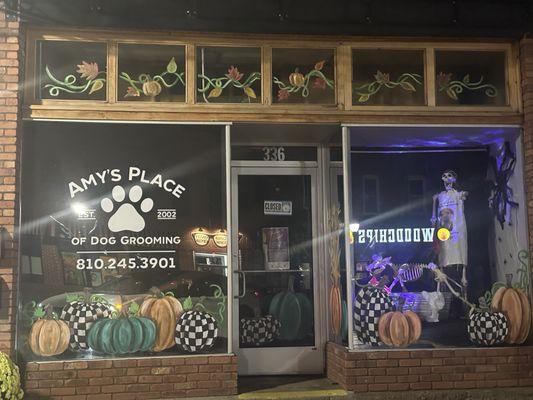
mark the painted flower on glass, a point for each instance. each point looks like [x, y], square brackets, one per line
[234, 74]
[131, 92]
[283, 94]
[319, 83]
[443, 80]
[381, 77]
[87, 70]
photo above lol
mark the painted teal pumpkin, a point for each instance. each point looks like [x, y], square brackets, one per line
[122, 335]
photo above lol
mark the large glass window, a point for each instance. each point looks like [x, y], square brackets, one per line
[303, 76]
[437, 263]
[123, 241]
[228, 74]
[71, 70]
[151, 73]
[388, 77]
[470, 78]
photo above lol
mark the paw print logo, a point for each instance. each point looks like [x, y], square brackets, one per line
[126, 217]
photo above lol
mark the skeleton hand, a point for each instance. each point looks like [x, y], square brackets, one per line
[464, 195]
[433, 220]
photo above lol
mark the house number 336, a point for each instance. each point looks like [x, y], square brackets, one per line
[273, 153]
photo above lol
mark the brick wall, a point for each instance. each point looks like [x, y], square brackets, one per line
[9, 93]
[396, 370]
[131, 379]
[526, 65]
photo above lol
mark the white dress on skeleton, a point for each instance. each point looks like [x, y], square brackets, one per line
[454, 250]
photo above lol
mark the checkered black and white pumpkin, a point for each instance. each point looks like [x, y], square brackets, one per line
[80, 315]
[370, 304]
[258, 331]
[195, 331]
[487, 328]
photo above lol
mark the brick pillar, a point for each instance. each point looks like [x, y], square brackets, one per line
[9, 155]
[526, 66]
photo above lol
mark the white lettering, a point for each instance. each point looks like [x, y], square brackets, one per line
[416, 235]
[427, 234]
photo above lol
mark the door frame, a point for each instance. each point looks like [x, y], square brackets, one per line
[298, 360]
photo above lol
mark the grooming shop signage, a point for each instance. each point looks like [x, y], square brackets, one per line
[394, 235]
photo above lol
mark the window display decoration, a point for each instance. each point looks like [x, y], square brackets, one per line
[501, 193]
[487, 328]
[369, 305]
[405, 81]
[94, 80]
[220, 237]
[448, 212]
[49, 336]
[9, 379]
[294, 311]
[399, 328]
[454, 87]
[513, 302]
[335, 302]
[234, 77]
[195, 331]
[164, 309]
[299, 83]
[259, 331]
[149, 85]
[123, 333]
[80, 312]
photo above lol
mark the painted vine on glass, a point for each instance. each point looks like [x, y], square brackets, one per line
[454, 87]
[299, 83]
[214, 87]
[90, 79]
[151, 86]
[405, 81]
[144, 84]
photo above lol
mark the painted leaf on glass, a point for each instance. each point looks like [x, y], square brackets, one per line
[407, 86]
[172, 67]
[96, 86]
[250, 92]
[215, 92]
[319, 65]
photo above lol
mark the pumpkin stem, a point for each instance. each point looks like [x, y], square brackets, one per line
[156, 292]
[509, 279]
[401, 303]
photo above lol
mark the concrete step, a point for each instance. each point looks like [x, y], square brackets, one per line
[290, 387]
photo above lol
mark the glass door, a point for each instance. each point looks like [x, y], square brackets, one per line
[277, 302]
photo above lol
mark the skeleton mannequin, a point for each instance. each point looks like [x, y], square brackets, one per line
[450, 215]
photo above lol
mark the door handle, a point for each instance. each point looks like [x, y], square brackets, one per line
[239, 295]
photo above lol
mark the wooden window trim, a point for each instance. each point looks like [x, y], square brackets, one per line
[342, 111]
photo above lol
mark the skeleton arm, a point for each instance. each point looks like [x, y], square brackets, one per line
[434, 210]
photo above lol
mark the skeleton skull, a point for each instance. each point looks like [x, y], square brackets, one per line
[449, 177]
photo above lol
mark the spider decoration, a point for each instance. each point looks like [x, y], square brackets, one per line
[501, 194]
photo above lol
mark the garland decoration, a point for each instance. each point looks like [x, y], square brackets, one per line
[299, 83]
[453, 88]
[94, 80]
[406, 81]
[216, 86]
[151, 86]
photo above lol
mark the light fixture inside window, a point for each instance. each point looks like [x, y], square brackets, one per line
[200, 237]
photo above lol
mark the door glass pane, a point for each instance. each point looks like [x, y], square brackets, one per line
[276, 259]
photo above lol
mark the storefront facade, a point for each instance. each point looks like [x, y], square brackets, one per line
[183, 208]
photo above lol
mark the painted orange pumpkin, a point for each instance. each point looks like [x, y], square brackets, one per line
[399, 329]
[49, 337]
[296, 79]
[151, 88]
[515, 305]
[164, 310]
